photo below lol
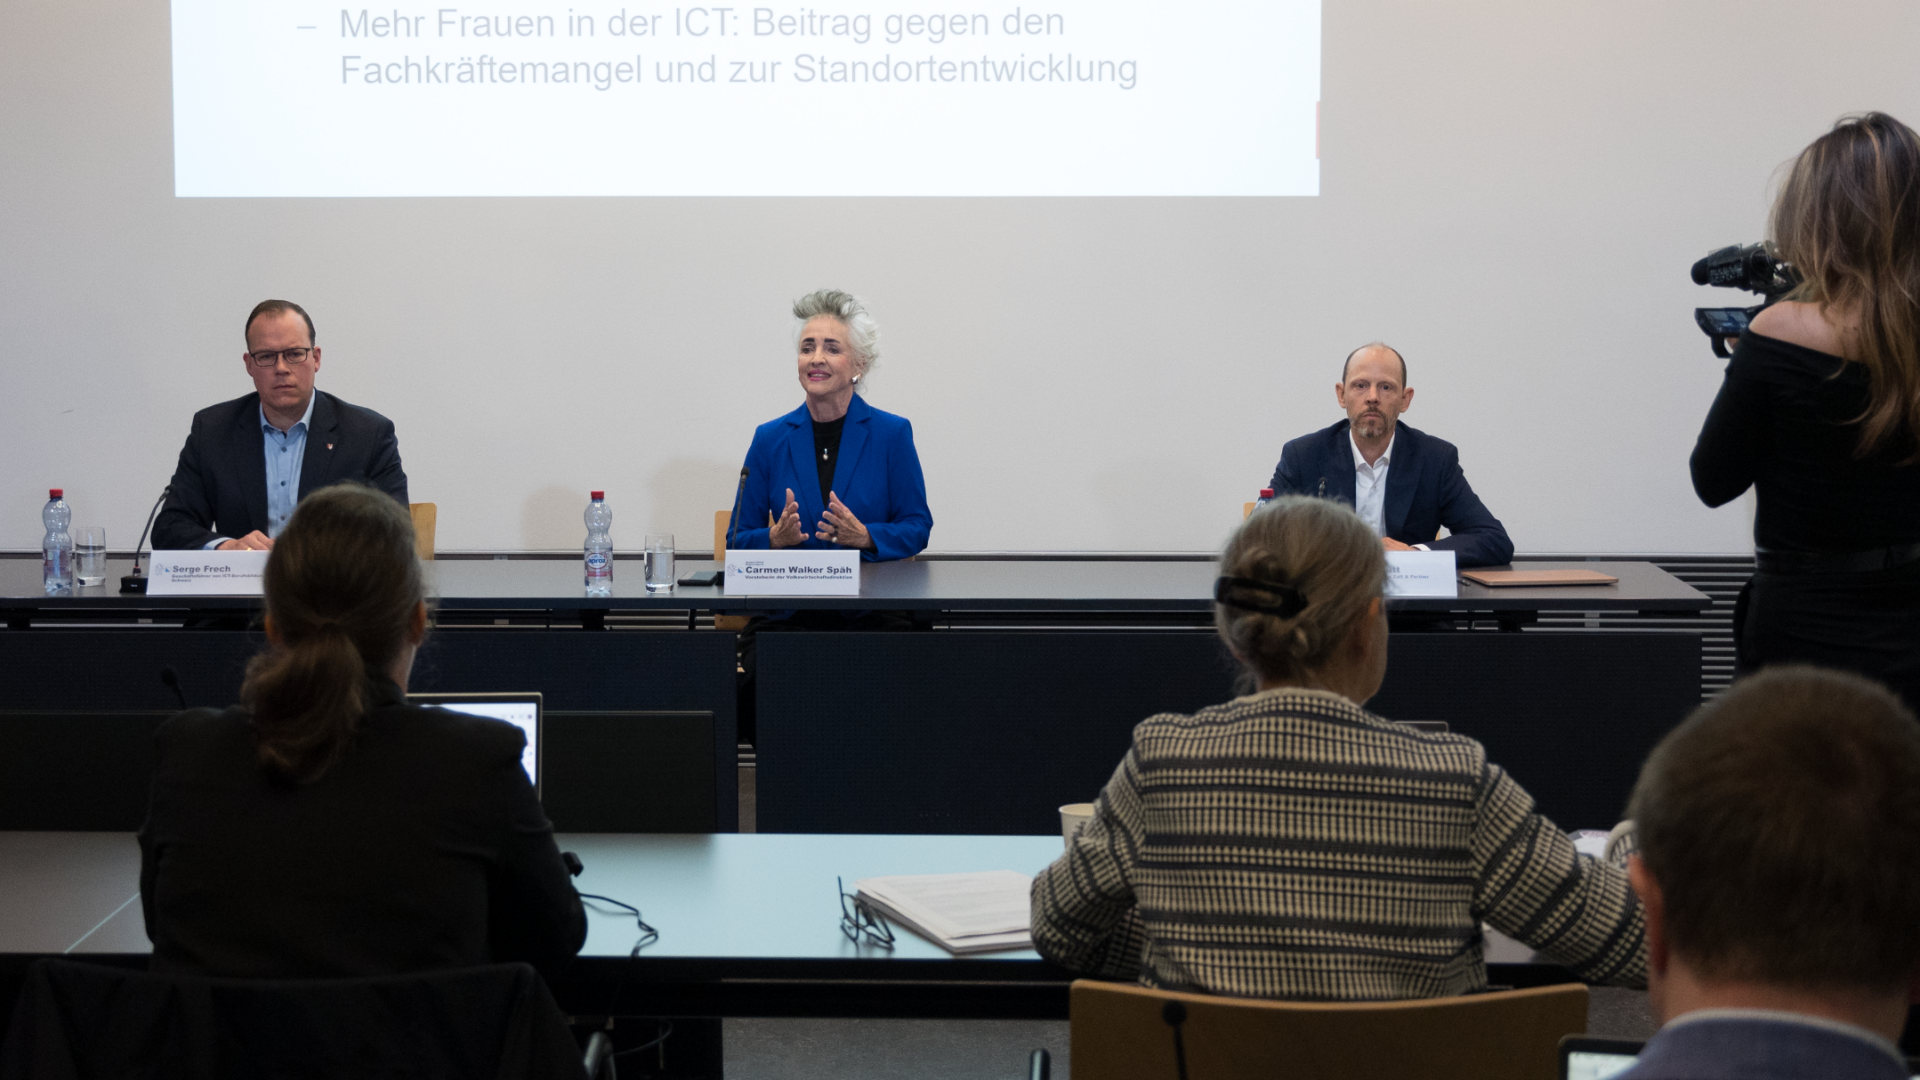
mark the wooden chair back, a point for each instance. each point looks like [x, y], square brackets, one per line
[425, 517]
[1122, 1031]
[735, 623]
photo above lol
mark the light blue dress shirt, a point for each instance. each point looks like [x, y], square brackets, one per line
[285, 450]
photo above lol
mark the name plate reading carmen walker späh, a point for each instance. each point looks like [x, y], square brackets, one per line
[792, 572]
[206, 573]
[1422, 573]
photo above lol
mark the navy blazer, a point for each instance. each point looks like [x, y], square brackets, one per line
[1737, 1047]
[220, 485]
[877, 477]
[1425, 490]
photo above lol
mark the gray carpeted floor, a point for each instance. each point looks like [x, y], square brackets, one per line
[978, 1049]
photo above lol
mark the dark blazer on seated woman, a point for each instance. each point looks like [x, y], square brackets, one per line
[877, 477]
[422, 848]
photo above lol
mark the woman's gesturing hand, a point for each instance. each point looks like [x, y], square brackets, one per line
[839, 526]
[786, 532]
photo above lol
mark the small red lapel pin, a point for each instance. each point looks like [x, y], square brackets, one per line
[329, 446]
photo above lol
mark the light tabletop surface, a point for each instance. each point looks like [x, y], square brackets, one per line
[725, 897]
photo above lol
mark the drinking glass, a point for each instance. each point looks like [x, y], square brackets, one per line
[659, 554]
[89, 555]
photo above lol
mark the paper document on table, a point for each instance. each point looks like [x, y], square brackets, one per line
[962, 913]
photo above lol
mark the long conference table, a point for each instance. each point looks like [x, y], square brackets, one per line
[749, 926]
[1020, 695]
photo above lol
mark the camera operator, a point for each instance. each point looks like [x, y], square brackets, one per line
[1820, 414]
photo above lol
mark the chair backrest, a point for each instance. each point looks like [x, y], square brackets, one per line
[90, 1020]
[720, 519]
[1121, 1030]
[425, 517]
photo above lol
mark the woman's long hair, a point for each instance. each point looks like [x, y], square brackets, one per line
[1848, 219]
[342, 586]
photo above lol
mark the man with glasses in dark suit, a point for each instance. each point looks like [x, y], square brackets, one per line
[249, 460]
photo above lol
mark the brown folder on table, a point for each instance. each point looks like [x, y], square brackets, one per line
[1498, 579]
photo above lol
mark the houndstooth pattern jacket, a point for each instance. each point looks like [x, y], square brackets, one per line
[1291, 845]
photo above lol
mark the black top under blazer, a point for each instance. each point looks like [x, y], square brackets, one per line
[423, 848]
[220, 484]
[1426, 489]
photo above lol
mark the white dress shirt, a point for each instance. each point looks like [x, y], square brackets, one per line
[1370, 487]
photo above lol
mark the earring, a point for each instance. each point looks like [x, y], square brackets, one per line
[856, 378]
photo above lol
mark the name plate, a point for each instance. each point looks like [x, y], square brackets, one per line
[792, 572]
[1422, 573]
[206, 573]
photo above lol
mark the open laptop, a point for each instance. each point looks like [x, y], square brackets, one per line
[1582, 1058]
[521, 710]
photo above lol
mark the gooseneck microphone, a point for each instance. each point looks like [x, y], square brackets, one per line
[136, 582]
[170, 679]
[733, 522]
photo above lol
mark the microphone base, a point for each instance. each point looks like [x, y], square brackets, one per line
[133, 583]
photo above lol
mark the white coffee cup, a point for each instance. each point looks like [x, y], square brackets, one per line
[1073, 818]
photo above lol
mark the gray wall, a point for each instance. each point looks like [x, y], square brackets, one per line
[1511, 193]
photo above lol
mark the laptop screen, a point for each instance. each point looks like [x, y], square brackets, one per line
[521, 710]
[1596, 1064]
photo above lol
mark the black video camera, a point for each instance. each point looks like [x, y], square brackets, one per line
[1752, 267]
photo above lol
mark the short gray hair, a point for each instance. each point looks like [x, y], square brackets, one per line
[863, 334]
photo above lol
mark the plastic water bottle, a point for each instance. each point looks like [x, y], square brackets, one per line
[1266, 496]
[56, 551]
[599, 546]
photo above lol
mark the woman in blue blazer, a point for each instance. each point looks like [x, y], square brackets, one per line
[835, 472]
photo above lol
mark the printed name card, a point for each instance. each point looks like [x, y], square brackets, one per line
[1421, 573]
[792, 572]
[206, 573]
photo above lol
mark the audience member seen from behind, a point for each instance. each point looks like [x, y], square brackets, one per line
[1289, 844]
[324, 827]
[1819, 413]
[1779, 865]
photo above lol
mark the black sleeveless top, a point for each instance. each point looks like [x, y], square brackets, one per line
[1785, 424]
[826, 452]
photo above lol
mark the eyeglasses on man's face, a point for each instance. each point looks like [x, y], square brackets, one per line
[266, 358]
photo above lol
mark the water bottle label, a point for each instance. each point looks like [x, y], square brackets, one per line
[597, 564]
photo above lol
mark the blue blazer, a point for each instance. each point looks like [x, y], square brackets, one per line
[1425, 490]
[877, 477]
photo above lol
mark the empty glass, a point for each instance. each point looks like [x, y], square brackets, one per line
[89, 555]
[659, 554]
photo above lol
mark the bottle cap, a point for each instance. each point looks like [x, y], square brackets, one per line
[596, 496]
[1266, 493]
[55, 493]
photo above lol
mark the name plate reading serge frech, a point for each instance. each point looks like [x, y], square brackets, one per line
[792, 572]
[1422, 573]
[206, 573]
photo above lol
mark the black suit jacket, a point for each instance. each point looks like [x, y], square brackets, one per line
[423, 848]
[1425, 490]
[220, 485]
